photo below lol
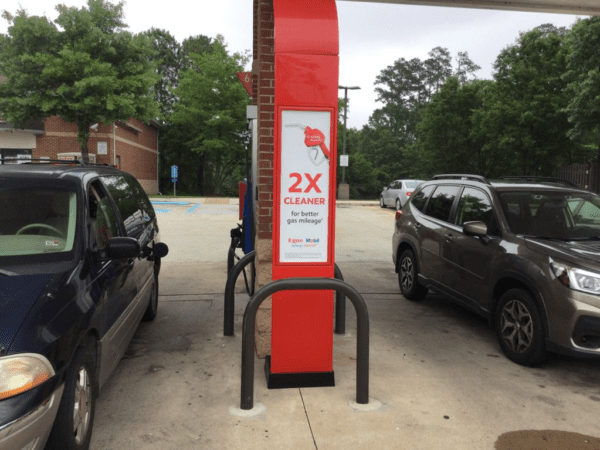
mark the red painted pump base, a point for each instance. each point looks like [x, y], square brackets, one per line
[297, 380]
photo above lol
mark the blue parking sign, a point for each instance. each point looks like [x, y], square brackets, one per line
[174, 172]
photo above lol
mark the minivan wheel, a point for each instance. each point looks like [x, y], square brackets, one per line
[398, 204]
[152, 309]
[381, 202]
[408, 277]
[72, 428]
[519, 328]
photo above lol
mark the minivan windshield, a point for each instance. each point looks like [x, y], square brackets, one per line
[553, 215]
[38, 218]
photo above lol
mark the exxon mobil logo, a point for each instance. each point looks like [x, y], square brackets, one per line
[312, 241]
[294, 241]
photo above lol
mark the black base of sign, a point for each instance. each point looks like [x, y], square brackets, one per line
[297, 379]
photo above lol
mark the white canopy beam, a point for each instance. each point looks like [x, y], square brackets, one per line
[580, 7]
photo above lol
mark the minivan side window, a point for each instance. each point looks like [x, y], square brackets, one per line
[128, 203]
[102, 216]
[420, 199]
[441, 201]
[143, 200]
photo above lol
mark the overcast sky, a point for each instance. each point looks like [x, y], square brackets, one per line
[372, 35]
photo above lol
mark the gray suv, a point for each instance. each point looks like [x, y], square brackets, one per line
[522, 251]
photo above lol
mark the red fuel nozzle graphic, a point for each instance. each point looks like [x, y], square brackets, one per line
[314, 137]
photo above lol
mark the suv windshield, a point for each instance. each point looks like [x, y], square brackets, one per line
[553, 215]
[37, 217]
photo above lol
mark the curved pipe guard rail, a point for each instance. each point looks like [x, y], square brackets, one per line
[235, 240]
[229, 304]
[340, 304]
[362, 337]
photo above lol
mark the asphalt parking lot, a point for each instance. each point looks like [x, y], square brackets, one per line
[438, 379]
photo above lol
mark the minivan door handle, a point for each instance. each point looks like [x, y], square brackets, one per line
[449, 237]
[417, 226]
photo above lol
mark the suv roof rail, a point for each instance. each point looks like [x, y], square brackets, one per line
[539, 179]
[455, 176]
[53, 161]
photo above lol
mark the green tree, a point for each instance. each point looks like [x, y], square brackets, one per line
[176, 138]
[170, 58]
[199, 45]
[583, 77]
[90, 71]
[405, 89]
[446, 141]
[523, 114]
[213, 107]
[465, 67]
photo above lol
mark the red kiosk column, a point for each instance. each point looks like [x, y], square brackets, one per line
[305, 130]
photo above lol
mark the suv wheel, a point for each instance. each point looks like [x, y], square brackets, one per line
[408, 277]
[519, 328]
[381, 202]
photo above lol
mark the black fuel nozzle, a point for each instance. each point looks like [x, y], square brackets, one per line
[236, 232]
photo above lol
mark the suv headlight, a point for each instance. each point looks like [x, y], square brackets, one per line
[578, 279]
[20, 373]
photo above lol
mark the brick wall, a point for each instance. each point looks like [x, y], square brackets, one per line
[136, 144]
[263, 89]
[265, 96]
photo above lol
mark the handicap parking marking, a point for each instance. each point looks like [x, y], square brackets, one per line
[193, 208]
[214, 209]
[208, 206]
[161, 202]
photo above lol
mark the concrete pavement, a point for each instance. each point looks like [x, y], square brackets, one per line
[436, 371]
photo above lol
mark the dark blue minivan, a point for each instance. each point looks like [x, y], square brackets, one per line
[79, 261]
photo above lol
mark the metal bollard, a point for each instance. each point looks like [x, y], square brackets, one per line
[294, 284]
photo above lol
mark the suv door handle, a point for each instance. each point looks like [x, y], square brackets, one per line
[449, 237]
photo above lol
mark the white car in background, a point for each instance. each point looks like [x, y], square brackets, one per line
[397, 193]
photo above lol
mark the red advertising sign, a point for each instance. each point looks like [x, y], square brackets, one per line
[246, 79]
[304, 183]
[304, 189]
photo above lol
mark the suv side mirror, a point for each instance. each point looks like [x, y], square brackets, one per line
[478, 229]
[385, 188]
[122, 247]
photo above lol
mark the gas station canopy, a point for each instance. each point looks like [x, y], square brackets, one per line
[581, 7]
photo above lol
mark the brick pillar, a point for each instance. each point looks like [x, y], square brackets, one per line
[263, 77]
